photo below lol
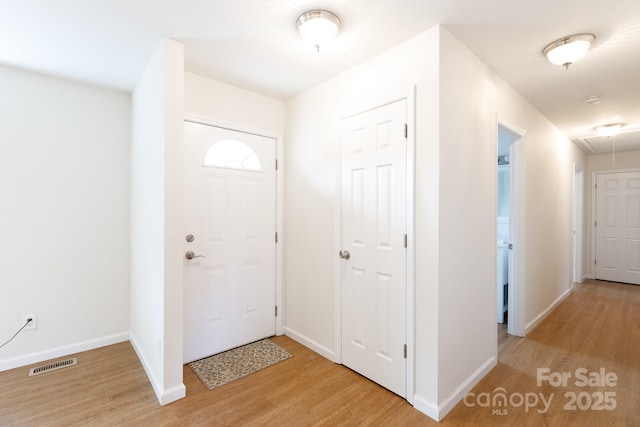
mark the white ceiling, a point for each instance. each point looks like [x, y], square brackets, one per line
[254, 44]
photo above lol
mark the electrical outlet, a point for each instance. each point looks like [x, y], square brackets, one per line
[34, 321]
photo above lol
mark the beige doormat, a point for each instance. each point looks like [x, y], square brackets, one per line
[231, 365]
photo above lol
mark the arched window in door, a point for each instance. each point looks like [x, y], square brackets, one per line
[232, 154]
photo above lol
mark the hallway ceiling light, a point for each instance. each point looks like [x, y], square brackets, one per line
[592, 100]
[567, 50]
[318, 27]
[610, 129]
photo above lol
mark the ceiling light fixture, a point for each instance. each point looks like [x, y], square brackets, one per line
[318, 27]
[592, 100]
[567, 50]
[610, 129]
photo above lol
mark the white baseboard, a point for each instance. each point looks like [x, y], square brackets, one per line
[449, 403]
[531, 325]
[307, 342]
[164, 396]
[428, 408]
[438, 412]
[63, 351]
[173, 394]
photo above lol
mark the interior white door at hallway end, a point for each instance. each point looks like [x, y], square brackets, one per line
[618, 227]
[374, 219]
[229, 260]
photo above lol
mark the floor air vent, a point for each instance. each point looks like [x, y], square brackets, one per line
[53, 366]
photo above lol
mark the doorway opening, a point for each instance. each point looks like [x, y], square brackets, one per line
[578, 225]
[510, 230]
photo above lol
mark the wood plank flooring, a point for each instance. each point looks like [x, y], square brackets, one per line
[597, 326]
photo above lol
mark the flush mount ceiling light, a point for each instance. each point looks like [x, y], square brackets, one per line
[610, 129]
[318, 27]
[567, 50]
[592, 100]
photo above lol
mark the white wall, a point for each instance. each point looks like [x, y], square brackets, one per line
[156, 220]
[548, 204]
[468, 199]
[468, 140]
[64, 216]
[459, 101]
[603, 162]
[312, 154]
[226, 104]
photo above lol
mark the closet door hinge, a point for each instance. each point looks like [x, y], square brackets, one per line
[405, 351]
[406, 130]
[405, 240]
[276, 311]
[276, 237]
[276, 164]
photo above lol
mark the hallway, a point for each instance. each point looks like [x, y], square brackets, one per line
[596, 327]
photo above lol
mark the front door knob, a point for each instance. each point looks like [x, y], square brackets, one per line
[191, 255]
[345, 254]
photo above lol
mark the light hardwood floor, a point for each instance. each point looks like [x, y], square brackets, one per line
[597, 326]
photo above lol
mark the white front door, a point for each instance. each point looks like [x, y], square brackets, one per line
[374, 216]
[618, 227]
[230, 216]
